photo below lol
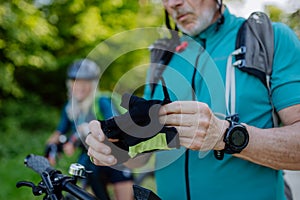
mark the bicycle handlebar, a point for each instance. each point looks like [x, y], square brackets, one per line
[77, 191]
[38, 164]
[42, 166]
[54, 182]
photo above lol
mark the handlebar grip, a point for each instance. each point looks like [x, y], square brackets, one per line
[41, 165]
[77, 191]
[37, 163]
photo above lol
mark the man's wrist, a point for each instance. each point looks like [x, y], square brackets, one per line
[221, 144]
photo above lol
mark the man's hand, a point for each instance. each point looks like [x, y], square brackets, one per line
[100, 152]
[198, 127]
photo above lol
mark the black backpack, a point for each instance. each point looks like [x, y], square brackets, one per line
[255, 42]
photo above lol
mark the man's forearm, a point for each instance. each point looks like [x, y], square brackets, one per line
[277, 148]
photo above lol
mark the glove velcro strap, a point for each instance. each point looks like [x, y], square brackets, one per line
[158, 142]
[167, 139]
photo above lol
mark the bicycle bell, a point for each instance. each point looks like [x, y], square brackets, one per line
[77, 169]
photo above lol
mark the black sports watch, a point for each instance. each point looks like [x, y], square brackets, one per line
[236, 139]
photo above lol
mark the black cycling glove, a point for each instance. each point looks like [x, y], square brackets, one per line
[139, 130]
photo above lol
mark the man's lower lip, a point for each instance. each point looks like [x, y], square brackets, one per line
[181, 18]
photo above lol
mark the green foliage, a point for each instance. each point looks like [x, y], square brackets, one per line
[291, 19]
[24, 124]
[276, 13]
[26, 117]
[48, 37]
[294, 22]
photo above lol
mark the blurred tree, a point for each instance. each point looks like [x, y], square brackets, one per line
[276, 14]
[26, 40]
[290, 18]
[40, 38]
[294, 17]
[294, 21]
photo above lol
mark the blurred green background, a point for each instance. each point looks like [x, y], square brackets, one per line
[38, 41]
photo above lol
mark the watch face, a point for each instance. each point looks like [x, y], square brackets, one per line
[238, 137]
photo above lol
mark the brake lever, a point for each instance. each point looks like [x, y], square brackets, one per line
[36, 190]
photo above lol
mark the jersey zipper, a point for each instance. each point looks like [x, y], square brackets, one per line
[186, 165]
[187, 181]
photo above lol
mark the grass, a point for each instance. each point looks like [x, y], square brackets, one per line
[25, 126]
[13, 169]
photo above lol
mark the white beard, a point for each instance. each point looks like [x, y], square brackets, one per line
[203, 21]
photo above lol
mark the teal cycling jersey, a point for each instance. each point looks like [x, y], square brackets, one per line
[185, 173]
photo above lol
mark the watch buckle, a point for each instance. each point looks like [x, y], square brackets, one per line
[234, 117]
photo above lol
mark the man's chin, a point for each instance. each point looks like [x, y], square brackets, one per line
[191, 33]
[189, 30]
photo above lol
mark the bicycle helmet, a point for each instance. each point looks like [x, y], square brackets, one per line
[83, 69]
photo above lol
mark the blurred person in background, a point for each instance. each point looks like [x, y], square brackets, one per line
[82, 81]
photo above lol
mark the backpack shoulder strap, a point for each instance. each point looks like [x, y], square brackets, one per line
[255, 41]
[161, 52]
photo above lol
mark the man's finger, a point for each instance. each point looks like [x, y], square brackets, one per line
[101, 159]
[97, 145]
[95, 129]
[178, 120]
[187, 107]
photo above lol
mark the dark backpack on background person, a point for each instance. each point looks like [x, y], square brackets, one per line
[255, 44]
